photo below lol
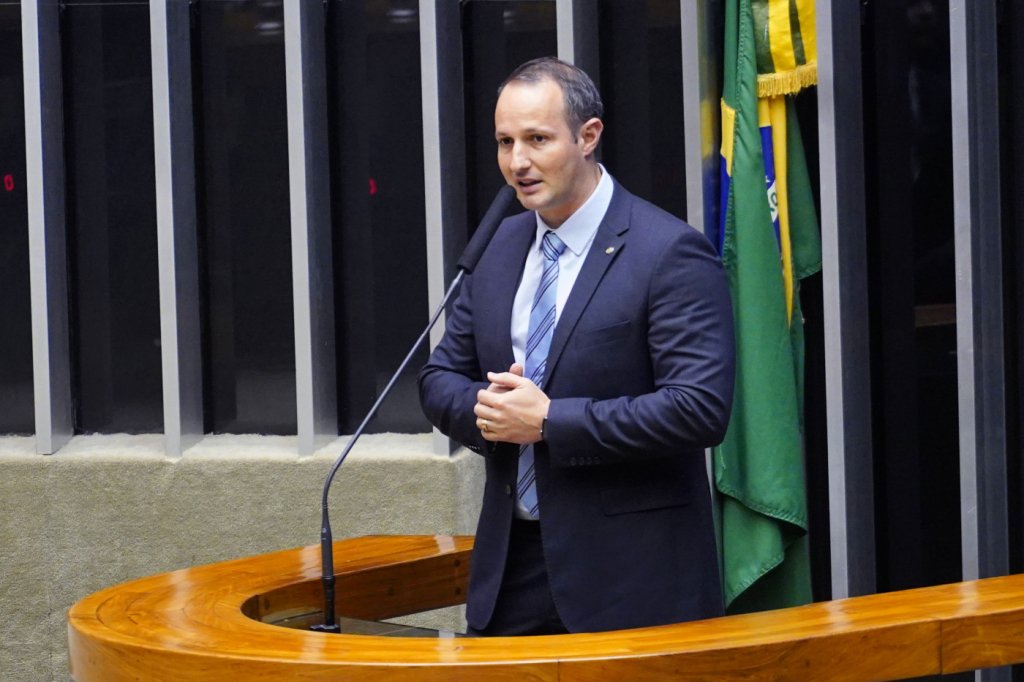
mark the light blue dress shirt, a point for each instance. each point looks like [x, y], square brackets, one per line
[577, 232]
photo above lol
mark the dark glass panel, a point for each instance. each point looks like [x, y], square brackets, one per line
[815, 405]
[16, 409]
[242, 182]
[1011, 87]
[376, 142]
[496, 37]
[642, 87]
[908, 161]
[111, 208]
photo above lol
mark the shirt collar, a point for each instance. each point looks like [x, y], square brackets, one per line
[579, 229]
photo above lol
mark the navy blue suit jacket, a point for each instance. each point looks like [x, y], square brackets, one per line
[640, 375]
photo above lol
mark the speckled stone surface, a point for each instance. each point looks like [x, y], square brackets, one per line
[106, 509]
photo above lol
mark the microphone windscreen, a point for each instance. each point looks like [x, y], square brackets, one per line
[488, 226]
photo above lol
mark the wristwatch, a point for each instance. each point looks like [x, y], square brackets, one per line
[544, 429]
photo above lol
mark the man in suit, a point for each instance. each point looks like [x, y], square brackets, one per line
[589, 359]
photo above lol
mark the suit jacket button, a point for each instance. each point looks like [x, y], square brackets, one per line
[508, 490]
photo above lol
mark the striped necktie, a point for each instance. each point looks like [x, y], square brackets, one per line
[538, 341]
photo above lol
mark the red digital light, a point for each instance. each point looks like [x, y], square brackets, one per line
[9, 182]
[373, 187]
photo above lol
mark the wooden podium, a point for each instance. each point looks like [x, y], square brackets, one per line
[207, 624]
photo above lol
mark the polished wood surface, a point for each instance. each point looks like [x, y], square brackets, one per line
[202, 624]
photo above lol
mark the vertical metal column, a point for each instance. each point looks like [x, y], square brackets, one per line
[844, 255]
[444, 154]
[564, 30]
[701, 56]
[432, 175]
[981, 371]
[44, 160]
[576, 29]
[308, 180]
[702, 49]
[177, 246]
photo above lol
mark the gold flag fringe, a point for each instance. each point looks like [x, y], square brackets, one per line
[787, 82]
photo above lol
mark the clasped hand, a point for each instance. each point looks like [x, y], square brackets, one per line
[511, 409]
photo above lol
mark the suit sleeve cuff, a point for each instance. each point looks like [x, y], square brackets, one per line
[562, 436]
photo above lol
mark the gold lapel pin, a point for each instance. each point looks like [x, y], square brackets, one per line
[610, 250]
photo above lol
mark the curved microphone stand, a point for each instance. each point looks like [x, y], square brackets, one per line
[481, 238]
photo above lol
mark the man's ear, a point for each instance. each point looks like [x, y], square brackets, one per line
[590, 135]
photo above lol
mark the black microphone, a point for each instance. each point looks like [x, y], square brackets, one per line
[481, 238]
[488, 226]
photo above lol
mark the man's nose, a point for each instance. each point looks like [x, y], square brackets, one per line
[520, 158]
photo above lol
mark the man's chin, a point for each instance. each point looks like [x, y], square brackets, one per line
[531, 202]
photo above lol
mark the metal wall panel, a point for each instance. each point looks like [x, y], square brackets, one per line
[180, 340]
[308, 173]
[44, 141]
[577, 35]
[444, 155]
[844, 257]
[702, 49]
[979, 294]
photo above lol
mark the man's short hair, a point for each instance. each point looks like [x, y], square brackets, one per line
[582, 100]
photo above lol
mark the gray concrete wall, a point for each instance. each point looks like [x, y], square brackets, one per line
[106, 509]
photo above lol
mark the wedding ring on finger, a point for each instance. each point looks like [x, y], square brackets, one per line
[484, 425]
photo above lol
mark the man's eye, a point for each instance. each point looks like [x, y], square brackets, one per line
[504, 141]
[539, 138]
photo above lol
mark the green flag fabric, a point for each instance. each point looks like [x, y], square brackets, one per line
[768, 239]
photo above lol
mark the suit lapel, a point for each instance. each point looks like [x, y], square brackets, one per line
[506, 282]
[608, 242]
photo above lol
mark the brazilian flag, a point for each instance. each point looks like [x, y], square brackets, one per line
[768, 240]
